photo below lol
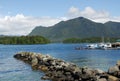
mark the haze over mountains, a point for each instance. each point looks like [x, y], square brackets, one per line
[78, 28]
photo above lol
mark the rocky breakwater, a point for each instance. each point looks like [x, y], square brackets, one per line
[59, 70]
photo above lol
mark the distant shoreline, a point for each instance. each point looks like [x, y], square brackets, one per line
[13, 40]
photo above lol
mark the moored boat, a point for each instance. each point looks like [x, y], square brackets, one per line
[104, 46]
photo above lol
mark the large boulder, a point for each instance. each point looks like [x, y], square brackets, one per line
[118, 62]
[113, 69]
[43, 68]
[113, 78]
[18, 56]
[34, 61]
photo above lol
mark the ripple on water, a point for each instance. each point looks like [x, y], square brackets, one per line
[15, 70]
[9, 71]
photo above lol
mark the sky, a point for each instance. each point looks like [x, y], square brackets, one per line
[19, 17]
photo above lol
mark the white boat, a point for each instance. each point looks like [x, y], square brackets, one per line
[104, 45]
[99, 46]
[92, 46]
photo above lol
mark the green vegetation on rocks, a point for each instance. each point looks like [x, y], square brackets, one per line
[23, 40]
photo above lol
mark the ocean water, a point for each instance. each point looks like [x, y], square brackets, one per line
[12, 69]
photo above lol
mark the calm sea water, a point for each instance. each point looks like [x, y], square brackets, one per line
[15, 70]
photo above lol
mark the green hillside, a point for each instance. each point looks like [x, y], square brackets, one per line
[78, 28]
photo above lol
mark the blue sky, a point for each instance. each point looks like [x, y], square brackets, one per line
[55, 8]
[19, 14]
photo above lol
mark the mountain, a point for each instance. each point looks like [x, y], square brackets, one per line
[78, 28]
[113, 28]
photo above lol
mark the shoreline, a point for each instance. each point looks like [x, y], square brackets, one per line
[59, 70]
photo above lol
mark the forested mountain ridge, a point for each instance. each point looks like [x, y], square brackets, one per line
[78, 28]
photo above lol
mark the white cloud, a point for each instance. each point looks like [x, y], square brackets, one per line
[97, 16]
[22, 25]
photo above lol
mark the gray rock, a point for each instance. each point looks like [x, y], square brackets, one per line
[118, 62]
[34, 61]
[59, 70]
[113, 69]
[102, 79]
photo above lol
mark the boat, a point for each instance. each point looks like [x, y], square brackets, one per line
[102, 46]
[105, 46]
[92, 46]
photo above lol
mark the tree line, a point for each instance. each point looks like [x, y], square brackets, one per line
[23, 40]
[89, 40]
